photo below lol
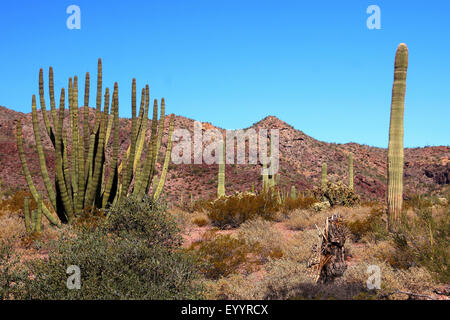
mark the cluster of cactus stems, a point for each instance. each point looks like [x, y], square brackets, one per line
[81, 180]
[350, 169]
[395, 149]
[324, 176]
[283, 194]
[221, 176]
[33, 220]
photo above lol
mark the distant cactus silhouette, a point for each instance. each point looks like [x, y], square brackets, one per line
[350, 169]
[293, 193]
[395, 150]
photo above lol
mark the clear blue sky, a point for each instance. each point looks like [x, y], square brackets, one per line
[314, 64]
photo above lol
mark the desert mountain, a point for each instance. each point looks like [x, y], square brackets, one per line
[301, 156]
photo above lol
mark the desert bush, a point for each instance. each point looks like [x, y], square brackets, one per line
[222, 255]
[15, 202]
[89, 219]
[304, 219]
[132, 255]
[11, 276]
[11, 225]
[145, 220]
[262, 235]
[199, 205]
[372, 225]
[236, 287]
[182, 218]
[290, 204]
[417, 202]
[233, 210]
[423, 240]
[321, 206]
[415, 280]
[200, 221]
[299, 248]
[337, 194]
[113, 268]
[285, 279]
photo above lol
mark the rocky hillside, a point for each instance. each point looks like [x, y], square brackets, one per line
[426, 169]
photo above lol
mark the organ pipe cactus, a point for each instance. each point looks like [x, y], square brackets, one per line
[26, 209]
[33, 220]
[82, 180]
[395, 150]
[350, 169]
[162, 180]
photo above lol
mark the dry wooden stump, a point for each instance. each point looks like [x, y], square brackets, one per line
[329, 255]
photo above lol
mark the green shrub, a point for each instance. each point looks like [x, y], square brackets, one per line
[417, 202]
[337, 194]
[222, 255]
[423, 240]
[135, 254]
[11, 277]
[231, 211]
[200, 221]
[290, 204]
[146, 220]
[113, 268]
[16, 200]
[372, 224]
[263, 236]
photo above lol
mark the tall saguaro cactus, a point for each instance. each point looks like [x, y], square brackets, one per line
[80, 168]
[221, 176]
[350, 169]
[395, 151]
